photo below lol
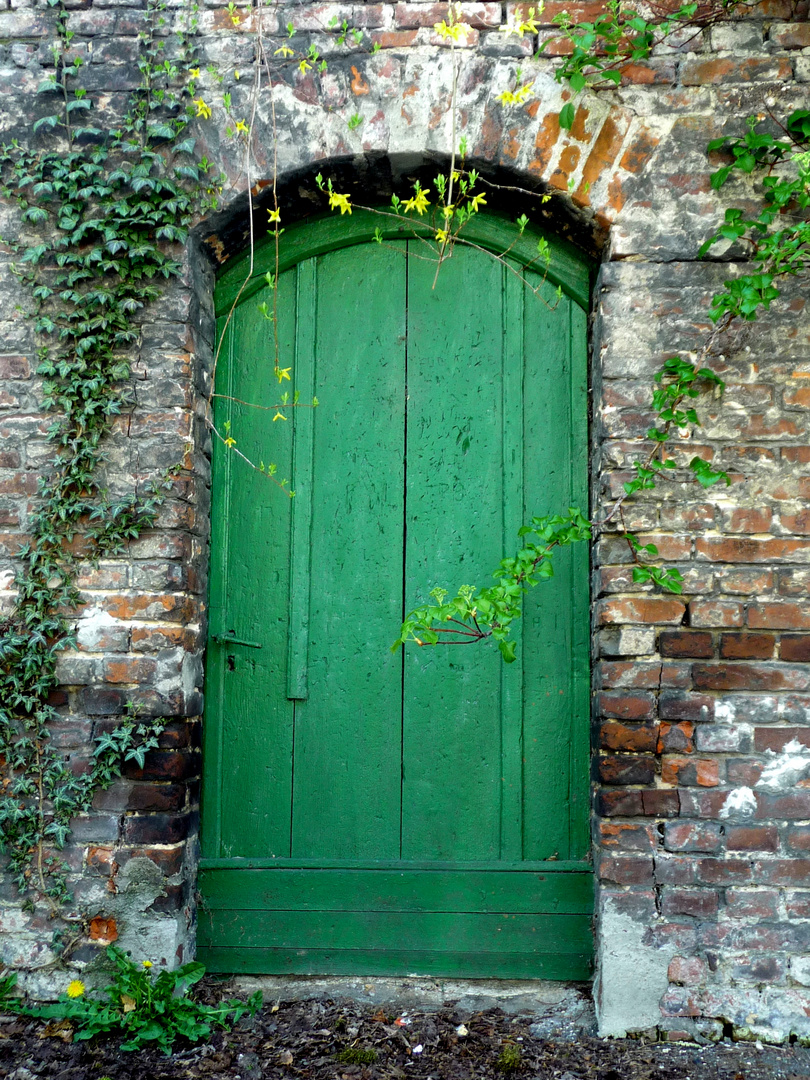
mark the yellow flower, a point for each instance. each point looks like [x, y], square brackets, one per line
[279, 416]
[285, 50]
[303, 66]
[419, 202]
[237, 76]
[340, 202]
[203, 110]
[283, 373]
[194, 73]
[479, 200]
[452, 31]
[441, 235]
[274, 215]
[146, 963]
[516, 97]
[75, 988]
[242, 126]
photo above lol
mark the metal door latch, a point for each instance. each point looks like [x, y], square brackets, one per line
[228, 639]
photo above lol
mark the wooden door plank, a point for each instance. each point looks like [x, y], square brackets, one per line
[303, 444]
[250, 718]
[451, 711]
[347, 733]
[555, 613]
[513, 518]
[431, 931]
[562, 966]
[399, 890]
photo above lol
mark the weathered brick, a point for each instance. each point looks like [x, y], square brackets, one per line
[687, 970]
[700, 903]
[716, 613]
[641, 609]
[693, 836]
[723, 871]
[747, 646]
[627, 769]
[690, 771]
[625, 706]
[677, 737]
[686, 643]
[750, 677]
[781, 616]
[630, 738]
[745, 903]
[626, 869]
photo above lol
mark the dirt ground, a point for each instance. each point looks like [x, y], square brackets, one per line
[342, 1040]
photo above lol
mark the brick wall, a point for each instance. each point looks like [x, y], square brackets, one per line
[702, 703]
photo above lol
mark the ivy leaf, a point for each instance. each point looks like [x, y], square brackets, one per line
[567, 116]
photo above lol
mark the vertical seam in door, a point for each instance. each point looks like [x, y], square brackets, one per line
[404, 556]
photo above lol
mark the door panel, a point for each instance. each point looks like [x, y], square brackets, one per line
[379, 812]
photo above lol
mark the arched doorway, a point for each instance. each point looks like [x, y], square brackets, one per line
[424, 811]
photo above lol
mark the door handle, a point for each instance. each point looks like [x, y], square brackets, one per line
[228, 639]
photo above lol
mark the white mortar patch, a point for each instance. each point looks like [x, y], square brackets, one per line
[786, 769]
[741, 802]
[91, 627]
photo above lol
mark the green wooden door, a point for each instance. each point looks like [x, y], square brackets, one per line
[424, 811]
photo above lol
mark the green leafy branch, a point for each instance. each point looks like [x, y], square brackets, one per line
[779, 235]
[476, 614]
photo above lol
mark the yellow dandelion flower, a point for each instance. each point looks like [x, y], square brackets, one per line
[203, 110]
[75, 988]
[146, 963]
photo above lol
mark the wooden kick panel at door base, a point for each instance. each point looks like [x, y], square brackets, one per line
[448, 416]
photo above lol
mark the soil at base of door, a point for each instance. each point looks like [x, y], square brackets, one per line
[309, 1040]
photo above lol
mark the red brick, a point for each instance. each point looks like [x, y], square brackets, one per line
[627, 769]
[777, 738]
[673, 705]
[676, 737]
[752, 903]
[796, 523]
[14, 367]
[782, 871]
[797, 905]
[659, 802]
[747, 646]
[758, 969]
[620, 836]
[795, 647]
[632, 738]
[752, 838]
[782, 616]
[105, 931]
[745, 582]
[687, 971]
[605, 150]
[674, 869]
[157, 828]
[749, 677]
[640, 150]
[686, 643]
[641, 609]
[724, 871]
[481, 15]
[392, 39]
[129, 669]
[716, 613]
[627, 706]
[692, 836]
[747, 520]
[168, 859]
[690, 771]
[700, 903]
[705, 72]
[749, 550]
[619, 803]
[632, 674]
[626, 869]
[798, 838]
[795, 36]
